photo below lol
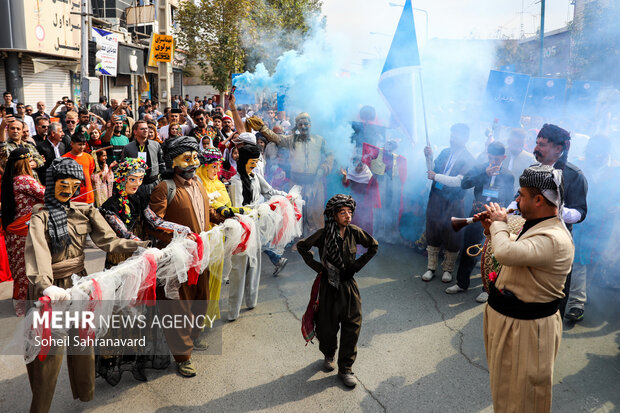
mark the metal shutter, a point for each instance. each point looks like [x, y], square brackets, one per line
[2, 79]
[49, 85]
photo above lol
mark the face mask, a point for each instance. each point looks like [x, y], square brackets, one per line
[133, 183]
[65, 188]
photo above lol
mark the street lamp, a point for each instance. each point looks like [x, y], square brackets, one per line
[392, 4]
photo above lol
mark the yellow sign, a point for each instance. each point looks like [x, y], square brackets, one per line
[162, 48]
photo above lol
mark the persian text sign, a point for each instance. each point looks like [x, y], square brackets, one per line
[504, 97]
[107, 51]
[53, 27]
[162, 48]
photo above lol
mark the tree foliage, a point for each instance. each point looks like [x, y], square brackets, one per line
[223, 37]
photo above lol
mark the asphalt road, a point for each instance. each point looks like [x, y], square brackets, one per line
[420, 350]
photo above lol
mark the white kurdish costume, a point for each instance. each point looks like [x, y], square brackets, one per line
[245, 270]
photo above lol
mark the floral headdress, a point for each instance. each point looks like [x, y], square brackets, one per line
[130, 166]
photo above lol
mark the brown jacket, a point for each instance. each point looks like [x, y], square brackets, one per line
[43, 267]
[180, 211]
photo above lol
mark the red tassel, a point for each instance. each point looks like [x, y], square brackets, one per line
[46, 333]
[95, 298]
[147, 291]
[194, 271]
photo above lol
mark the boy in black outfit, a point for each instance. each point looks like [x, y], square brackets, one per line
[340, 305]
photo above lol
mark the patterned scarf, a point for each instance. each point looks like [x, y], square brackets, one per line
[130, 166]
[332, 255]
[57, 229]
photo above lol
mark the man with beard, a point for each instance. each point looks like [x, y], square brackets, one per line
[180, 198]
[310, 163]
[42, 125]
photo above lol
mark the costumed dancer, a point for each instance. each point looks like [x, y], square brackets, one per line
[340, 304]
[522, 324]
[20, 193]
[310, 164]
[55, 251]
[220, 209]
[181, 198]
[127, 211]
[246, 189]
[445, 202]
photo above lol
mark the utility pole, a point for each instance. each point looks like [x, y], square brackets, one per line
[84, 86]
[542, 36]
[163, 17]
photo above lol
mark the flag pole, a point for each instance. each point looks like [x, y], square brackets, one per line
[429, 159]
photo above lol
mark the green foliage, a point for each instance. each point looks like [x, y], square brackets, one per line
[223, 37]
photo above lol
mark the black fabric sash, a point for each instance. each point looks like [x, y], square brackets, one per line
[506, 303]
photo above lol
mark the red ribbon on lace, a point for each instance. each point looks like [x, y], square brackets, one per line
[194, 271]
[95, 298]
[297, 213]
[147, 291]
[280, 233]
[46, 332]
[243, 245]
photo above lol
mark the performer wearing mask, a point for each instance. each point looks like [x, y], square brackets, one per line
[340, 304]
[246, 189]
[55, 251]
[310, 162]
[522, 324]
[220, 204]
[127, 211]
[180, 198]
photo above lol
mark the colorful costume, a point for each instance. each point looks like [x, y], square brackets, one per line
[26, 192]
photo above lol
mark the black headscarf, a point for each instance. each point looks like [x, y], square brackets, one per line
[8, 197]
[246, 152]
[57, 229]
[174, 147]
[332, 256]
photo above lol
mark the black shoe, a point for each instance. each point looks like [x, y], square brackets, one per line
[574, 314]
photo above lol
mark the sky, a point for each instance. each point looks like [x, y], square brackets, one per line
[367, 26]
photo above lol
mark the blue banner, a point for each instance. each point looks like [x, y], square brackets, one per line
[545, 97]
[504, 97]
[396, 84]
[582, 98]
[242, 97]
